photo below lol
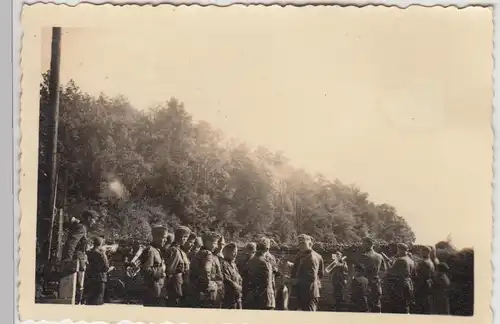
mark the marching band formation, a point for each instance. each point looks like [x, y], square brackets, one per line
[186, 270]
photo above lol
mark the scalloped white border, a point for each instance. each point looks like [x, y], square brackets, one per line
[402, 4]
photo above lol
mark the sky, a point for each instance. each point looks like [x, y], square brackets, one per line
[396, 102]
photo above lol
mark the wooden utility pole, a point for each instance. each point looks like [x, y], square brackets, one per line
[52, 128]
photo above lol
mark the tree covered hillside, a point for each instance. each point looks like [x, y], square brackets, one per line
[159, 165]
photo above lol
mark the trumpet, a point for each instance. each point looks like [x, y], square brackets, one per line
[336, 261]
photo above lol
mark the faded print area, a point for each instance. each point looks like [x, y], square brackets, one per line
[295, 165]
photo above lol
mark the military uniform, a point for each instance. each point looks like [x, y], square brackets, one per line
[360, 290]
[307, 271]
[203, 279]
[74, 258]
[219, 279]
[339, 283]
[440, 298]
[400, 285]
[423, 286]
[153, 269]
[97, 276]
[373, 263]
[242, 264]
[261, 292]
[232, 285]
[177, 269]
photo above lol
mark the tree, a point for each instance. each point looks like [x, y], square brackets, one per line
[139, 168]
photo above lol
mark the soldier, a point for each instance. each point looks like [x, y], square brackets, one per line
[188, 246]
[374, 263]
[218, 257]
[97, 273]
[153, 268]
[74, 258]
[339, 274]
[360, 290]
[441, 287]
[232, 279]
[203, 273]
[177, 265]
[424, 274]
[261, 293]
[168, 241]
[197, 244]
[400, 285]
[242, 264]
[307, 271]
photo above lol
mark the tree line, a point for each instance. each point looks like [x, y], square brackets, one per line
[139, 167]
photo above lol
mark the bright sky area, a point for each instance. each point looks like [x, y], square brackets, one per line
[399, 105]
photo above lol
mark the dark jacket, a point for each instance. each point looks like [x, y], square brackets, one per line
[359, 294]
[202, 277]
[98, 266]
[76, 243]
[177, 266]
[261, 293]
[308, 269]
[154, 275]
[232, 284]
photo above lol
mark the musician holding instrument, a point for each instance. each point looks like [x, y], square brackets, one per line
[339, 273]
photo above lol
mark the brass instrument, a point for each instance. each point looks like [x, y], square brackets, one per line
[135, 265]
[110, 248]
[336, 261]
[387, 259]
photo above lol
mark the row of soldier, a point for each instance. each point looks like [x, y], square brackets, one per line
[216, 276]
[404, 286]
[211, 274]
[204, 272]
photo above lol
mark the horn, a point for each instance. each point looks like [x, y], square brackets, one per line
[331, 266]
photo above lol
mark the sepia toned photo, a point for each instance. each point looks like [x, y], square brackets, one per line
[272, 163]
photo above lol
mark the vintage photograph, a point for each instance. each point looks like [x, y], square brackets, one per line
[315, 160]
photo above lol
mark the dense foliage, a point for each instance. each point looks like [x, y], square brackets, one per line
[159, 165]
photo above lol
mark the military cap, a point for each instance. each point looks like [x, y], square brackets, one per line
[181, 231]
[251, 246]
[231, 246]
[368, 240]
[402, 246]
[159, 229]
[198, 241]
[210, 236]
[304, 237]
[97, 241]
[265, 241]
[170, 238]
[261, 246]
[426, 248]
